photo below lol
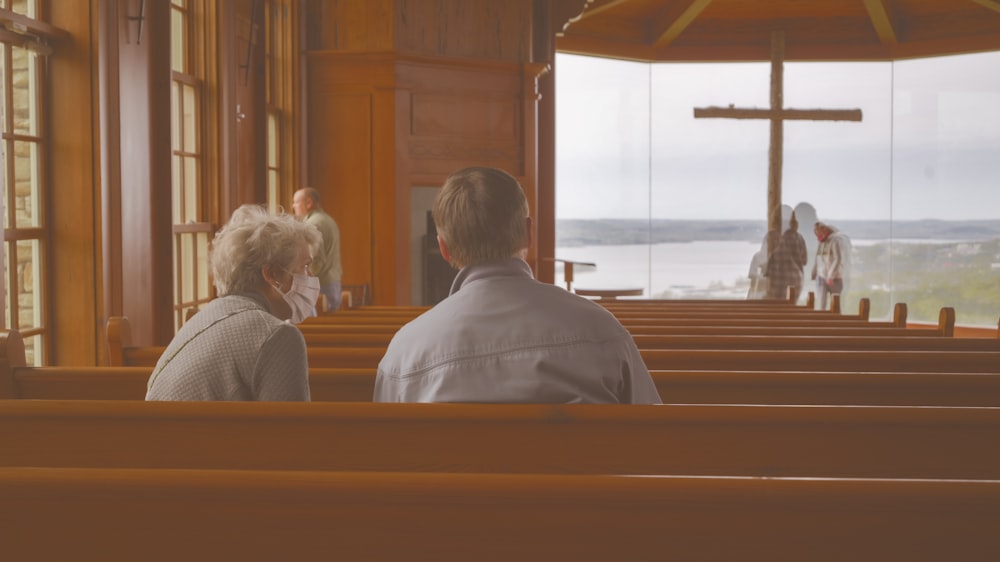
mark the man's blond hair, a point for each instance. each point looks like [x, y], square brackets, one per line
[481, 214]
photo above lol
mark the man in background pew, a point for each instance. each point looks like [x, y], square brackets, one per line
[501, 335]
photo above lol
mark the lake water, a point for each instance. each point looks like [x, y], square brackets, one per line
[705, 268]
[700, 269]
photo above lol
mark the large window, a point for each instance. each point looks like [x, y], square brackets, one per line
[23, 153]
[677, 205]
[191, 231]
[280, 52]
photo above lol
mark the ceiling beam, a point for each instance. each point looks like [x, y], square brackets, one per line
[592, 10]
[680, 23]
[882, 22]
[991, 4]
[566, 12]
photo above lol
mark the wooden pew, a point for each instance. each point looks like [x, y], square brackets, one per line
[159, 514]
[399, 315]
[785, 330]
[675, 387]
[354, 350]
[944, 328]
[827, 360]
[723, 308]
[843, 441]
[328, 351]
[122, 352]
[724, 303]
[768, 342]
[707, 359]
[828, 388]
[946, 321]
[129, 383]
[723, 339]
[750, 321]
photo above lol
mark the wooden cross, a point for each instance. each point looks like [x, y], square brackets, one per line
[778, 115]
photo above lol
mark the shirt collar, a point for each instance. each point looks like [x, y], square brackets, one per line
[511, 267]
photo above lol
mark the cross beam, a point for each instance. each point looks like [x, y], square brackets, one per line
[784, 114]
[777, 114]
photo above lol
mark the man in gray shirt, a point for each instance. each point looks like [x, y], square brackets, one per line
[501, 335]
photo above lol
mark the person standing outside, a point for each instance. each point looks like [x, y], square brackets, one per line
[785, 267]
[758, 266]
[501, 336]
[832, 265]
[326, 262]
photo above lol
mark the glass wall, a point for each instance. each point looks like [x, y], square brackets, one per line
[676, 205]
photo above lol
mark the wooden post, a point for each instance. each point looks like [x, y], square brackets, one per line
[777, 131]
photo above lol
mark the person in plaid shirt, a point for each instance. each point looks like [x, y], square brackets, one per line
[784, 268]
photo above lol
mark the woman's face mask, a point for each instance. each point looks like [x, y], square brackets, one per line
[301, 297]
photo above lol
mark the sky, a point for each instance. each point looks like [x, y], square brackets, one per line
[928, 145]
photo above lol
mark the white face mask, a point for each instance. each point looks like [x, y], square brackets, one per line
[301, 297]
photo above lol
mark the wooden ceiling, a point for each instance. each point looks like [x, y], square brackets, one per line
[740, 30]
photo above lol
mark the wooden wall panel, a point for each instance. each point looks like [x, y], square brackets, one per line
[349, 25]
[341, 170]
[351, 151]
[456, 87]
[463, 114]
[392, 183]
[478, 29]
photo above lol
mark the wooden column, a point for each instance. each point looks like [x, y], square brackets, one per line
[775, 153]
[427, 88]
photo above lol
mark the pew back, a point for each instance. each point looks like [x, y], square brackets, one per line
[826, 360]
[134, 514]
[675, 387]
[845, 441]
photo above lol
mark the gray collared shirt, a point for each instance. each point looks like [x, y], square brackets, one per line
[502, 336]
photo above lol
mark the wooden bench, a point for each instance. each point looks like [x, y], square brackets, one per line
[335, 351]
[826, 360]
[651, 318]
[864, 359]
[699, 303]
[159, 514]
[769, 342]
[828, 388]
[129, 383]
[842, 441]
[723, 340]
[676, 387]
[783, 330]
[122, 353]
[781, 308]
[945, 327]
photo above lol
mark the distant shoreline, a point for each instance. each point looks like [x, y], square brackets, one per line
[601, 232]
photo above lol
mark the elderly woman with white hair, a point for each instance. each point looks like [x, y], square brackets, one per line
[833, 262]
[241, 346]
